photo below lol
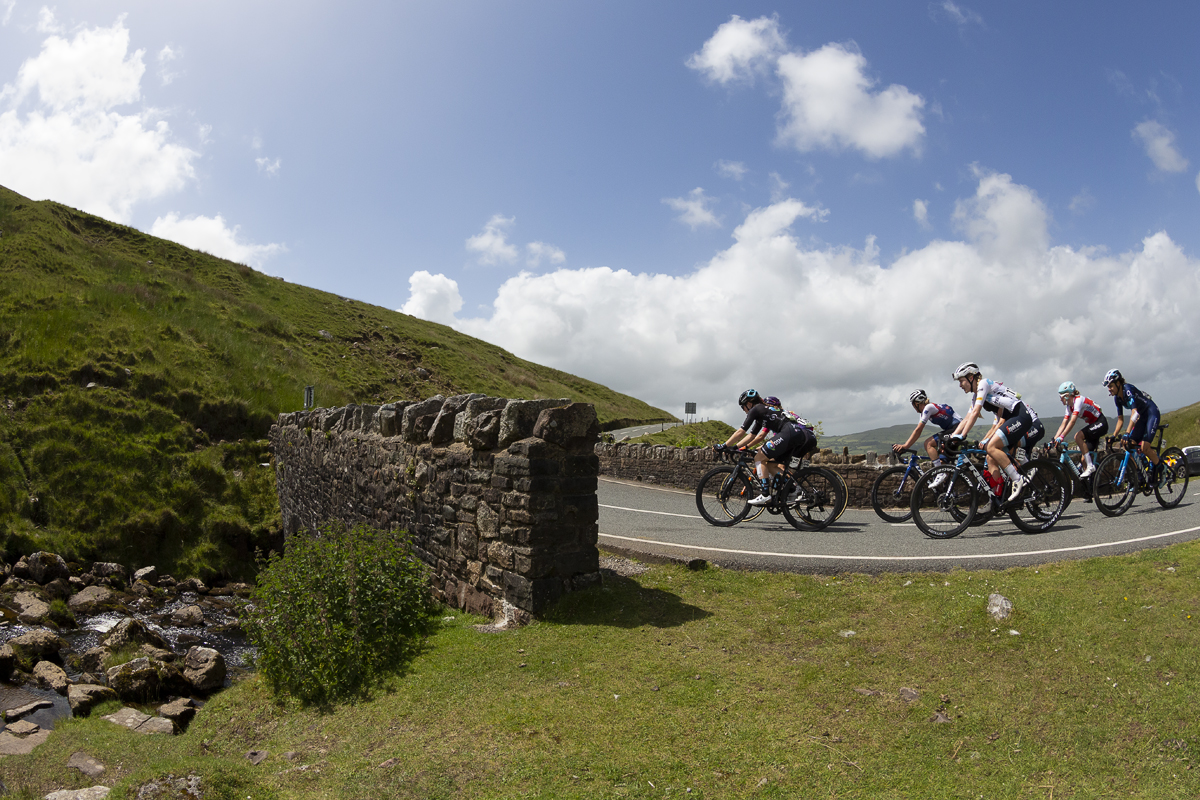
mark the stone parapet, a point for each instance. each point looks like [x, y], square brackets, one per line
[498, 496]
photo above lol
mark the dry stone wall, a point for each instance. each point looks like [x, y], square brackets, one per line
[684, 466]
[498, 495]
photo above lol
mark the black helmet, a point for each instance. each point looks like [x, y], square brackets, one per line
[748, 396]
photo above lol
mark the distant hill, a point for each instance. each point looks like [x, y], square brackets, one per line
[1184, 429]
[876, 440]
[138, 379]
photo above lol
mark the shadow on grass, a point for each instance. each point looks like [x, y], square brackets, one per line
[624, 603]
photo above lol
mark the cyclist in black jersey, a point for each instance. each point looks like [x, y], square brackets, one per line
[783, 438]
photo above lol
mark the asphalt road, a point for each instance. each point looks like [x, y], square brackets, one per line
[647, 520]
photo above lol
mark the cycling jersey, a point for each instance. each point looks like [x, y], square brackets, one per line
[941, 415]
[997, 398]
[1087, 410]
[1135, 399]
[765, 416]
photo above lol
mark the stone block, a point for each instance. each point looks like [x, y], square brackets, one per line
[519, 417]
[572, 425]
[418, 417]
[441, 430]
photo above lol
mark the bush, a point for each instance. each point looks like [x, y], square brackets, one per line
[338, 611]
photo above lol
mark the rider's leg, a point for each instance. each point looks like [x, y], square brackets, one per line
[931, 447]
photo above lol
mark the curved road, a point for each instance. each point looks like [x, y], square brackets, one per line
[658, 521]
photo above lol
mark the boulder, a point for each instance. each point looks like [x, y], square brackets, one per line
[568, 425]
[180, 711]
[42, 568]
[31, 609]
[93, 599]
[148, 574]
[107, 570]
[204, 669]
[191, 585]
[83, 697]
[188, 617]
[133, 632]
[59, 589]
[51, 676]
[519, 416]
[35, 646]
[144, 680]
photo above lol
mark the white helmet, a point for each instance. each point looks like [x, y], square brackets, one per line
[966, 370]
[918, 396]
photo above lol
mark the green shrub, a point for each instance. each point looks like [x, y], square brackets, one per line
[338, 611]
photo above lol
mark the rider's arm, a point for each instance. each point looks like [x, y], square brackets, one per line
[757, 440]
[916, 434]
[995, 427]
[734, 438]
[969, 421]
[1068, 424]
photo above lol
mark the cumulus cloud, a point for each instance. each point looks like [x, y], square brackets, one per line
[539, 251]
[921, 213]
[492, 242]
[62, 138]
[731, 169]
[1159, 142]
[739, 49]
[843, 345]
[213, 235]
[830, 101]
[694, 210]
[432, 297]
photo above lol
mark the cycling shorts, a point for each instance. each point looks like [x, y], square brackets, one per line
[1015, 426]
[1092, 433]
[1033, 436]
[1147, 424]
[791, 441]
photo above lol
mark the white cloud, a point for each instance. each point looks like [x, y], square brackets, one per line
[213, 235]
[1082, 202]
[165, 56]
[842, 322]
[738, 50]
[61, 137]
[432, 297]
[921, 213]
[537, 251]
[1159, 142]
[960, 15]
[694, 210]
[268, 165]
[8, 6]
[830, 102]
[731, 169]
[779, 186]
[47, 22]
[491, 243]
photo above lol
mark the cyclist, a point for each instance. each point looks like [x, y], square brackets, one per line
[1013, 421]
[1143, 422]
[941, 415]
[1094, 424]
[783, 438]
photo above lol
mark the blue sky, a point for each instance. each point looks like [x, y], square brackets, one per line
[831, 202]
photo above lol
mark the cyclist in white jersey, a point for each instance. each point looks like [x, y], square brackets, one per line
[1012, 424]
[1094, 424]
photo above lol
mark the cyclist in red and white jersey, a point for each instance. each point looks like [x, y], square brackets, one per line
[1094, 424]
[1013, 420]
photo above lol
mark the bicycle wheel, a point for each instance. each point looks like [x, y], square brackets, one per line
[820, 498]
[722, 496]
[1043, 498]
[1113, 492]
[891, 494]
[946, 510]
[1173, 485]
[844, 493]
[1066, 479]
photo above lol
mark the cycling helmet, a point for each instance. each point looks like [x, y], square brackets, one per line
[1112, 376]
[1066, 387]
[918, 396]
[966, 370]
[773, 401]
[748, 396]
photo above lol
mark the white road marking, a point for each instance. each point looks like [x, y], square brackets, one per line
[898, 558]
[644, 511]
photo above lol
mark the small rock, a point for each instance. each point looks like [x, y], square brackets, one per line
[31, 609]
[191, 585]
[21, 711]
[141, 723]
[91, 793]
[188, 617]
[42, 568]
[132, 631]
[940, 716]
[35, 646]
[868, 692]
[909, 695]
[85, 764]
[391, 762]
[999, 606]
[148, 574]
[22, 728]
[93, 599]
[51, 676]
[256, 757]
[14, 746]
[180, 711]
[204, 669]
[58, 589]
[83, 697]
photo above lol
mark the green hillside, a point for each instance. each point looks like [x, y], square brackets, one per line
[876, 440]
[1185, 426]
[138, 379]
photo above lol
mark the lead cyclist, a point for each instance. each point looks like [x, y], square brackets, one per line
[1013, 420]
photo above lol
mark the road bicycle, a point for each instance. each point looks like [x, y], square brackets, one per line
[891, 494]
[1121, 475]
[808, 497]
[1068, 471]
[965, 496]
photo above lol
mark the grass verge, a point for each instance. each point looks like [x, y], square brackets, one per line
[742, 684]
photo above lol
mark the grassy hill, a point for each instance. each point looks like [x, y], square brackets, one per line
[138, 379]
[1185, 426]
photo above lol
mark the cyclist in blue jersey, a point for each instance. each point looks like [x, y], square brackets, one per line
[783, 439]
[1012, 424]
[1143, 421]
[1094, 424]
[941, 415]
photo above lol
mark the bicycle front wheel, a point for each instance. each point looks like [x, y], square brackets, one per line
[1173, 485]
[723, 495]
[1114, 486]
[947, 509]
[1043, 499]
[819, 500]
[891, 495]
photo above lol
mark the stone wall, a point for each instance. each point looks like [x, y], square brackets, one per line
[684, 466]
[499, 496]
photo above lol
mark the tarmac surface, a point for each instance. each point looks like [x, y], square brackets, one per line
[658, 522]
